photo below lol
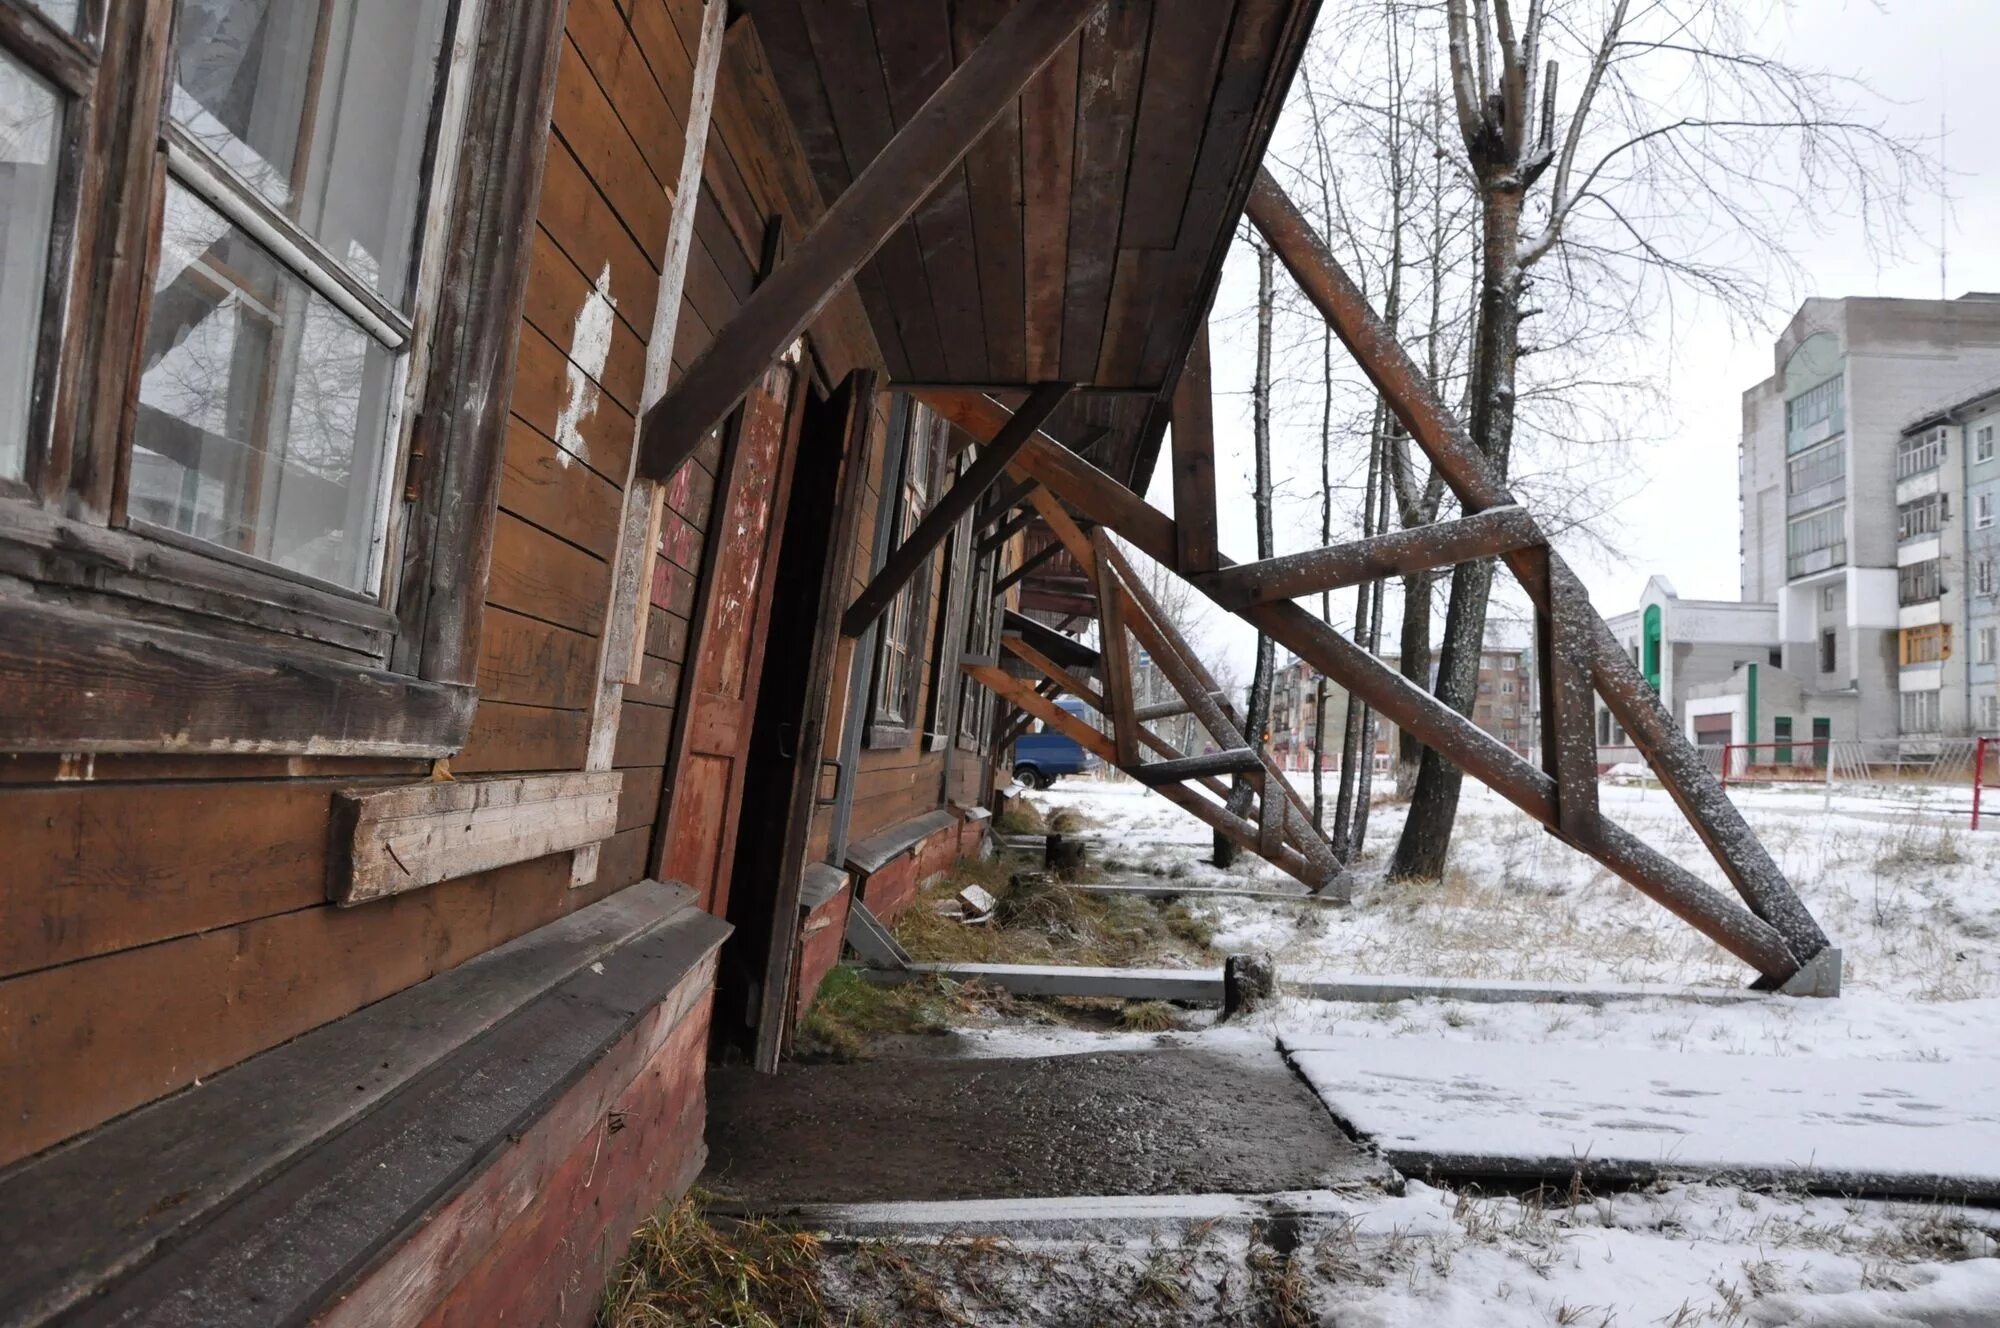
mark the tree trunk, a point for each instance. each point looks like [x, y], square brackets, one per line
[1420, 853]
[1257, 708]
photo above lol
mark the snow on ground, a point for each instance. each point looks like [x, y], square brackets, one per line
[1894, 876]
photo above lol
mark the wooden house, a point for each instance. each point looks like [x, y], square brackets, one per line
[490, 568]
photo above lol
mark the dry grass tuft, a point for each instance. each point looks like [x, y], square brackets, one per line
[683, 1268]
[1021, 817]
[1068, 821]
[851, 1012]
[1149, 1017]
[1042, 921]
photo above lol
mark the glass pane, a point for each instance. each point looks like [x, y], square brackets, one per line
[30, 129]
[262, 410]
[63, 13]
[324, 108]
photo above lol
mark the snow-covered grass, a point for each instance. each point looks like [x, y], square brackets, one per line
[1910, 895]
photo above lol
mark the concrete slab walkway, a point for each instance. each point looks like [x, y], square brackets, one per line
[1158, 1122]
[1463, 1109]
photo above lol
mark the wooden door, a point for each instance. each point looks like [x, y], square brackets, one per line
[726, 656]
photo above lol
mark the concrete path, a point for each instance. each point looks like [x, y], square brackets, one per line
[1117, 1123]
[1454, 1109]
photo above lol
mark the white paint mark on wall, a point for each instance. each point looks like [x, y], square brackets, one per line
[589, 348]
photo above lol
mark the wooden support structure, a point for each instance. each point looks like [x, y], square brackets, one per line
[913, 554]
[1028, 565]
[884, 194]
[1495, 531]
[1052, 643]
[1414, 401]
[1235, 761]
[1009, 528]
[1288, 860]
[1194, 460]
[1074, 481]
[1117, 659]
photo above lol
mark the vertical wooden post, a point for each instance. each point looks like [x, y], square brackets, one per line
[1117, 657]
[639, 526]
[1194, 460]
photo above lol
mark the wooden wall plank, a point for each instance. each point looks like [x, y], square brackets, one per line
[993, 182]
[587, 122]
[580, 221]
[527, 661]
[393, 840]
[1048, 133]
[507, 737]
[565, 405]
[599, 33]
[539, 575]
[843, 42]
[158, 1017]
[558, 295]
[1112, 63]
[542, 484]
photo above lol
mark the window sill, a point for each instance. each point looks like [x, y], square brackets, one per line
[78, 681]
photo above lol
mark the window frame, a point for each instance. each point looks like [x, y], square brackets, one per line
[1983, 445]
[1982, 511]
[385, 673]
[917, 441]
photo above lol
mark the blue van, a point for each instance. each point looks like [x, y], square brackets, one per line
[1042, 756]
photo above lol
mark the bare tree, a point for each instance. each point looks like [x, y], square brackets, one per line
[1679, 168]
[1257, 706]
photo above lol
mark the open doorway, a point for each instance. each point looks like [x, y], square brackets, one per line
[807, 595]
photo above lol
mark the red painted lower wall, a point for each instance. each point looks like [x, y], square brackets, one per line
[820, 939]
[530, 1240]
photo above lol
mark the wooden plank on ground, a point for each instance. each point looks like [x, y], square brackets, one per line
[387, 841]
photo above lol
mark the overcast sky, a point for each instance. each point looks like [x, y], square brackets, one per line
[1925, 57]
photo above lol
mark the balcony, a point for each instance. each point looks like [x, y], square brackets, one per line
[1923, 453]
[1816, 560]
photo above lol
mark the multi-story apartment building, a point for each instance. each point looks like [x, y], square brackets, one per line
[1948, 582]
[1295, 713]
[1505, 704]
[1851, 471]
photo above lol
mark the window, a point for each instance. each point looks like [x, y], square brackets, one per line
[1777, 657]
[1816, 414]
[1919, 583]
[1985, 645]
[1604, 728]
[1485, 689]
[1919, 452]
[1925, 645]
[1817, 542]
[1814, 470]
[1506, 687]
[1920, 712]
[900, 642]
[1982, 443]
[1829, 651]
[1506, 712]
[1925, 516]
[1508, 663]
[1989, 712]
[1982, 511]
[225, 412]
[1982, 576]
[982, 641]
[1829, 597]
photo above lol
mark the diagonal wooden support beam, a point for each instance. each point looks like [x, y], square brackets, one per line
[1194, 460]
[1495, 531]
[913, 554]
[1235, 761]
[1064, 649]
[1184, 671]
[1220, 818]
[880, 199]
[1084, 692]
[1117, 658]
[1414, 401]
[1569, 735]
[1101, 498]
[1009, 528]
[1033, 560]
